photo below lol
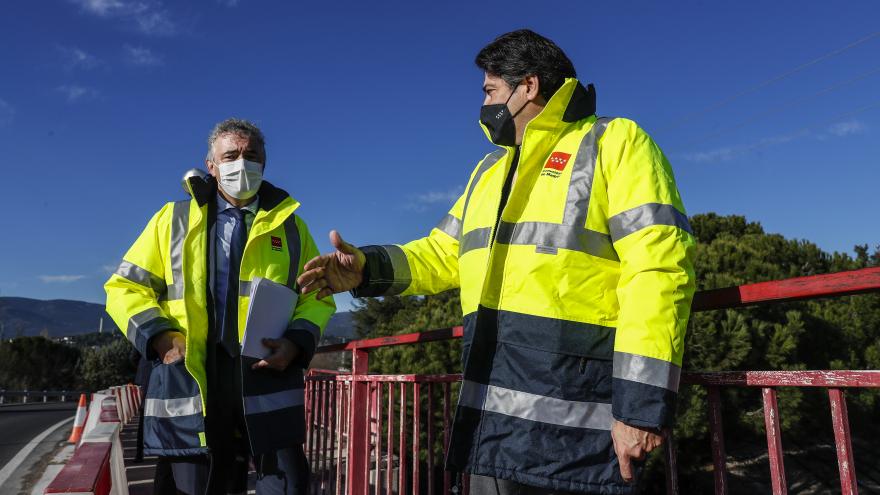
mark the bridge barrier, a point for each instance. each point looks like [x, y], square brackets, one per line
[97, 466]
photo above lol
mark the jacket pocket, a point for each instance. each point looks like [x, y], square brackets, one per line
[274, 406]
[174, 423]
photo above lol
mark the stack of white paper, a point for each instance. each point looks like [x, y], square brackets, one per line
[269, 313]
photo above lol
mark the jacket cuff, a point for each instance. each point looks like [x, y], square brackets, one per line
[644, 390]
[143, 327]
[637, 404]
[304, 334]
[386, 272]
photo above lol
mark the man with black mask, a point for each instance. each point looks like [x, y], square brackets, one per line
[573, 254]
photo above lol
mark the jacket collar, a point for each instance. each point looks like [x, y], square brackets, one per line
[275, 204]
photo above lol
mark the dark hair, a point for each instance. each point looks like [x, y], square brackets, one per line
[518, 54]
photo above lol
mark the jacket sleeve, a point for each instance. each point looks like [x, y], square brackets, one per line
[311, 314]
[652, 237]
[424, 266]
[134, 290]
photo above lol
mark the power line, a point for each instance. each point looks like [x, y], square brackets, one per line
[785, 106]
[768, 82]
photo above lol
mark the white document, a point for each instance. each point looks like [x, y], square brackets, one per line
[269, 313]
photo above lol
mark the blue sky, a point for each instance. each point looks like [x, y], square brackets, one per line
[370, 111]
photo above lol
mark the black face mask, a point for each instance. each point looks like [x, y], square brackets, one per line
[498, 119]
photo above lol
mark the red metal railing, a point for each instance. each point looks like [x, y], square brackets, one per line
[404, 439]
[347, 422]
[768, 381]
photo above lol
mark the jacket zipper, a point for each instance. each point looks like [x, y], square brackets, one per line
[502, 202]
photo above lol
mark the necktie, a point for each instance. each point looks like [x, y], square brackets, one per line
[229, 335]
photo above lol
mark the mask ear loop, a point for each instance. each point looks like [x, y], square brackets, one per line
[512, 115]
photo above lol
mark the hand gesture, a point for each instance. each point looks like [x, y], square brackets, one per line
[339, 271]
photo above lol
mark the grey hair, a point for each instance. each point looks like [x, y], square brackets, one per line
[239, 127]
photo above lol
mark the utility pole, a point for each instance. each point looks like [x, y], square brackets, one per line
[101, 325]
[2, 328]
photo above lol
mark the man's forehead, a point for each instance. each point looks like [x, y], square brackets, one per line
[232, 140]
[491, 80]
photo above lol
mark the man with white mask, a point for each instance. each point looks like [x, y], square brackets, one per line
[182, 294]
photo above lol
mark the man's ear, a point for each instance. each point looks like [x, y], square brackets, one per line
[533, 87]
[211, 169]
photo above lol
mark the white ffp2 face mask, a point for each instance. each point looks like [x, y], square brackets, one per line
[240, 179]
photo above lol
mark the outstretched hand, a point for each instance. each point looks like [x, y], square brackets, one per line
[338, 271]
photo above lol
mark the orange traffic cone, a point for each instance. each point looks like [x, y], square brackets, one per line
[80, 421]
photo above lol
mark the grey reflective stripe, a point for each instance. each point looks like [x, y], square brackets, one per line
[487, 162]
[140, 276]
[578, 200]
[635, 219]
[139, 322]
[244, 288]
[179, 227]
[400, 268]
[532, 407]
[450, 225]
[256, 404]
[551, 235]
[475, 239]
[647, 370]
[173, 408]
[291, 231]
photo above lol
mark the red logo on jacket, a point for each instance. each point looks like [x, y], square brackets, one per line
[557, 161]
[276, 243]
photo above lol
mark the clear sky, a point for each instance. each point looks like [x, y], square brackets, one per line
[767, 109]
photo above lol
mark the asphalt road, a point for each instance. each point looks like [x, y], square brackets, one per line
[19, 424]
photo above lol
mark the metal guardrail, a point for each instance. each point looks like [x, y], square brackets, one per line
[29, 396]
[346, 426]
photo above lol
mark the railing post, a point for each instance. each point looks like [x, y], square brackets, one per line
[671, 465]
[774, 441]
[357, 430]
[416, 488]
[845, 462]
[716, 430]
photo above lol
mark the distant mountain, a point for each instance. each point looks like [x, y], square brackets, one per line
[341, 326]
[59, 318]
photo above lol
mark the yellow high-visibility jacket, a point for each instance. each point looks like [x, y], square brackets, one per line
[576, 299]
[162, 284]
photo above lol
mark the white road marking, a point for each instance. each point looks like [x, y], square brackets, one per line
[22, 454]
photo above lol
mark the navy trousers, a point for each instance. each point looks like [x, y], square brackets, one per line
[282, 472]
